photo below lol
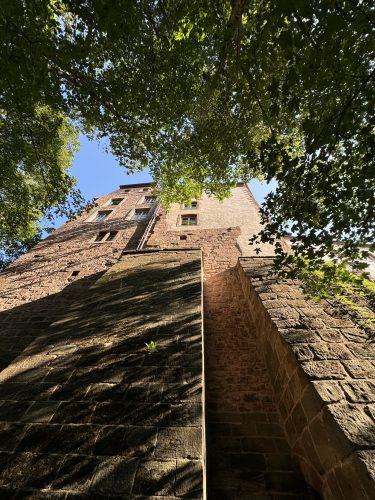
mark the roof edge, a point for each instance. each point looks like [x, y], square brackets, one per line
[142, 184]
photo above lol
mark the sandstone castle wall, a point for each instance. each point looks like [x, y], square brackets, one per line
[258, 434]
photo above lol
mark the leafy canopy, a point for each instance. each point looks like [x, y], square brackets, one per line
[207, 93]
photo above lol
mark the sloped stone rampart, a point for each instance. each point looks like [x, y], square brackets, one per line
[87, 411]
[322, 371]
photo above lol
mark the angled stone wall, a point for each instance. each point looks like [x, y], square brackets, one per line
[322, 371]
[88, 411]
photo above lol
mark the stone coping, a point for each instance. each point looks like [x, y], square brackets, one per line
[322, 369]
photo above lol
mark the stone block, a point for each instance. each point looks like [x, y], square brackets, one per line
[78, 439]
[14, 469]
[41, 411]
[43, 469]
[189, 479]
[10, 435]
[155, 477]
[114, 476]
[331, 350]
[13, 411]
[363, 369]
[179, 442]
[75, 474]
[303, 352]
[331, 335]
[354, 423]
[329, 390]
[364, 350]
[359, 391]
[39, 438]
[140, 441]
[186, 415]
[329, 369]
[299, 336]
[73, 413]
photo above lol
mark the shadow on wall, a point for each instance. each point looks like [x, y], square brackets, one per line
[56, 243]
[86, 407]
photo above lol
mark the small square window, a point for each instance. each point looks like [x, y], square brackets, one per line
[75, 273]
[183, 237]
[140, 213]
[149, 200]
[126, 190]
[106, 236]
[193, 204]
[189, 220]
[100, 216]
[115, 201]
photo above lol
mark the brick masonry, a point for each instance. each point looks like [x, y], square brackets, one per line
[322, 371]
[247, 453]
[88, 411]
[250, 453]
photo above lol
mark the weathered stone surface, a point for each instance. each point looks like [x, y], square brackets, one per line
[329, 390]
[114, 476]
[179, 442]
[324, 369]
[156, 477]
[331, 350]
[41, 411]
[357, 426]
[189, 479]
[328, 408]
[83, 408]
[363, 369]
[359, 391]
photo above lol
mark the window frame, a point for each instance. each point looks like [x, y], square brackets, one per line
[134, 212]
[193, 216]
[189, 207]
[110, 204]
[105, 239]
[93, 218]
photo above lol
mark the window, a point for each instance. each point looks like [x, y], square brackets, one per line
[75, 273]
[144, 190]
[111, 236]
[105, 236]
[115, 201]
[183, 237]
[140, 213]
[149, 200]
[100, 216]
[193, 204]
[189, 220]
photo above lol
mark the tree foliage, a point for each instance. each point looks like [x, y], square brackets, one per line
[207, 93]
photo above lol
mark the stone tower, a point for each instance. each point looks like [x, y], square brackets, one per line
[148, 353]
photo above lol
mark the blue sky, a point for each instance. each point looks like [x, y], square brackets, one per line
[98, 173]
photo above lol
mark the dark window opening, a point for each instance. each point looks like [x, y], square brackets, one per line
[106, 236]
[183, 237]
[193, 204]
[115, 201]
[149, 200]
[111, 235]
[140, 214]
[75, 273]
[100, 236]
[188, 220]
